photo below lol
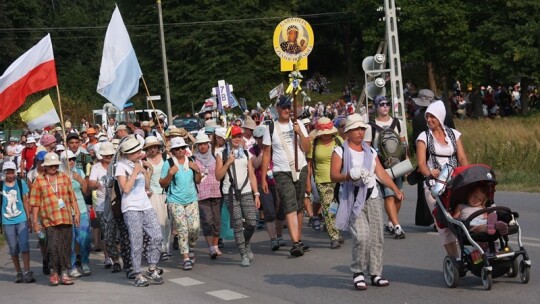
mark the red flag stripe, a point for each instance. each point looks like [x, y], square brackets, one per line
[39, 78]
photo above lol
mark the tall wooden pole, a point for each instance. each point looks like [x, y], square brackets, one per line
[164, 60]
[294, 120]
[160, 128]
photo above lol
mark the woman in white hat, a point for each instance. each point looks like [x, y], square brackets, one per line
[209, 194]
[218, 140]
[355, 166]
[180, 176]
[156, 159]
[319, 158]
[133, 177]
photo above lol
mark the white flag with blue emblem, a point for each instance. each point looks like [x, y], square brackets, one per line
[120, 71]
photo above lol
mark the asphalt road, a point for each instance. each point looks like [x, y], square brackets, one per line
[413, 266]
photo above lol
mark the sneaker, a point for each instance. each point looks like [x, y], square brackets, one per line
[154, 276]
[116, 268]
[187, 265]
[334, 244]
[74, 272]
[175, 243]
[191, 256]
[389, 228]
[245, 260]
[281, 242]
[399, 233]
[86, 270]
[296, 250]
[19, 278]
[165, 256]
[249, 253]
[213, 253]
[108, 263]
[305, 248]
[140, 281]
[275, 245]
[46, 270]
[29, 277]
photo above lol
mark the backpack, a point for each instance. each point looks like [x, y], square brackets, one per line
[388, 144]
[19, 184]
[233, 186]
[170, 160]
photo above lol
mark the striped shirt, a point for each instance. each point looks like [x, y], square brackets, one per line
[45, 195]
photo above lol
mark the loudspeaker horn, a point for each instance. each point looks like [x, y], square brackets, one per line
[371, 64]
[375, 88]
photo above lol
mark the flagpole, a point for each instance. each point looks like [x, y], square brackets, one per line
[63, 128]
[164, 60]
[160, 128]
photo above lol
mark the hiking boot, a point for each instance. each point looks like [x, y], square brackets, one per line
[86, 270]
[249, 253]
[245, 260]
[399, 233]
[296, 250]
[29, 277]
[154, 276]
[140, 281]
[19, 278]
[334, 244]
[74, 273]
[389, 228]
[275, 245]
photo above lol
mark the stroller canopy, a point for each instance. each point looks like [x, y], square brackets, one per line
[469, 176]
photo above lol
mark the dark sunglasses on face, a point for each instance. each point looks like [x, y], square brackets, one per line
[207, 118]
[73, 159]
[384, 104]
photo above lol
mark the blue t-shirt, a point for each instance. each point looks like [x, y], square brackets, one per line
[182, 187]
[78, 191]
[12, 203]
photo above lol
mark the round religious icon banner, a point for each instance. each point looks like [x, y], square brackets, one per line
[293, 39]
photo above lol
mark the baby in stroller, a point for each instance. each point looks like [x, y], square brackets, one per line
[476, 200]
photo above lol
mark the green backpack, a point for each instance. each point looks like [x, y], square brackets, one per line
[387, 143]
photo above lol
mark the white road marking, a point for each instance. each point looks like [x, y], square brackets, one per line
[226, 294]
[185, 281]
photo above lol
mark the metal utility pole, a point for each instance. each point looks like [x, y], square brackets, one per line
[164, 59]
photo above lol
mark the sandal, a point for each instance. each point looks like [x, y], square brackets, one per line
[54, 280]
[66, 280]
[188, 265]
[379, 281]
[359, 281]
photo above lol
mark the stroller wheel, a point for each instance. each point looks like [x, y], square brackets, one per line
[487, 279]
[513, 270]
[451, 271]
[524, 272]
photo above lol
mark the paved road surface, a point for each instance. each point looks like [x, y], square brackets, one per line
[413, 267]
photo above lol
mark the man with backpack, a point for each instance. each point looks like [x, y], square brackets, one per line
[290, 177]
[387, 135]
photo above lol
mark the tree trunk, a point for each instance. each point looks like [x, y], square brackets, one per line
[346, 27]
[524, 96]
[431, 77]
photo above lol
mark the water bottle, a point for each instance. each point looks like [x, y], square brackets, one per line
[333, 207]
[42, 238]
[440, 182]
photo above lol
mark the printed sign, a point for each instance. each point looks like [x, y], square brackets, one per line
[293, 42]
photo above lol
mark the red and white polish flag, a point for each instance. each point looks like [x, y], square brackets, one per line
[34, 71]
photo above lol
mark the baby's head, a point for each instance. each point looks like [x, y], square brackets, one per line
[477, 197]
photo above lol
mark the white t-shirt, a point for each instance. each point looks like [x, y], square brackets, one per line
[136, 199]
[279, 157]
[384, 124]
[96, 173]
[441, 148]
[358, 161]
[241, 167]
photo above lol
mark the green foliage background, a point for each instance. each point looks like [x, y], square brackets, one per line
[489, 41]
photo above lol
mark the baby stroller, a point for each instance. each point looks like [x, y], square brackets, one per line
[497, 258]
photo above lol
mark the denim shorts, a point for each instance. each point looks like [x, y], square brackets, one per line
[17, 238]
[388, 192]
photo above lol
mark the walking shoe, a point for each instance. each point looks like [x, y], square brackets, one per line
[305, 248]
[19, 278]
[187, 265]
[46, 270]
[281, 242]
[399, 233]
[245, 260]
[54, 280]
[389, 228]
[165, 256]
[66, 280]
[275, 245]
[154, 276]
[249, 253]
[29, 277]
[140, 281]
[86, 270]
[74, 272]
[116, 268]
[191, 256]
[175, 243]
[296, 250]
[334, 244]
[213, 253]
[108, 263]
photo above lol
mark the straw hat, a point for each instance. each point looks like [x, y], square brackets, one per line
[178, 132]
[51, 159]
[355, 121]
[250, 123]
[324, 126]
[151, 141]
[131, 145]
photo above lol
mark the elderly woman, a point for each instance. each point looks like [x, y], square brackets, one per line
[436, 147]
[319, 159]
[133, 177]
[356, 166]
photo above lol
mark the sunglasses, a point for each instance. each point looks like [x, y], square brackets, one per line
[72, 159]
[178, 148]
[384, 104]
[207, 118]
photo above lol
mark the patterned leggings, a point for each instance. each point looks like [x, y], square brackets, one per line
[368, 240]
[244, 210]
[117, 235]
[326, 194]
[59, 247]
[137, 222]
[81, 236]
[188, 224]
